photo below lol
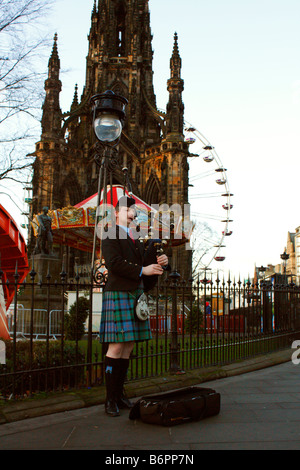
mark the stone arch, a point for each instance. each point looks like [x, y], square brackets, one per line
[119, 87]
[71, 192]
[153, 190]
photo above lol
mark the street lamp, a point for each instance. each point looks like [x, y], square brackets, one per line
[284, 256]
[262, 270]
[108, 110]
[108, 116]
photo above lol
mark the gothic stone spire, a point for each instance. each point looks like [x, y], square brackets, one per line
[175, 107]
[51, 119]
[120, 59]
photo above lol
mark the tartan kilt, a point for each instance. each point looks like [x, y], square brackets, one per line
[118, 323]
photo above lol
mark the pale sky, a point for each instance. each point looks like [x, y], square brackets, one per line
[241, 70]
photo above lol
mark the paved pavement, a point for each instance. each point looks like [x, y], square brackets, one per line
[259, 410]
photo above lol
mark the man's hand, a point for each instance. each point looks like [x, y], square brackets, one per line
[153, 270]
[162, 260]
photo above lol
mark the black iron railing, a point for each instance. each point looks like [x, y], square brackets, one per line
[195, 323]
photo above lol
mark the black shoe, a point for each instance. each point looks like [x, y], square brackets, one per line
[111, 408]
[124, 402]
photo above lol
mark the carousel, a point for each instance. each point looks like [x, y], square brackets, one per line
[14, 265]
[75, 226]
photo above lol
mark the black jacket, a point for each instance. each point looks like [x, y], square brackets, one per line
[124, 260]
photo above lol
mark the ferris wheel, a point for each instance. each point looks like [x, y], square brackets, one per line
[210, 199]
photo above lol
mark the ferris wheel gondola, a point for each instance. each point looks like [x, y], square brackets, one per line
[208, 158]
[220, 258]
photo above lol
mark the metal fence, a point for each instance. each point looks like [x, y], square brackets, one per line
[194, 324]
[39, 322]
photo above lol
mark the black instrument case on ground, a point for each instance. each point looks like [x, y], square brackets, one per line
[180, 406]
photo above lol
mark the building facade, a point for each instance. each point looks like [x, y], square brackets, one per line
[297, 253]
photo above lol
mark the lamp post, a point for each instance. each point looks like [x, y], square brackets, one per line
[280, 308]
[284, 256]
[108, 117]
[174, 362]
[108, 121]
[265, 301]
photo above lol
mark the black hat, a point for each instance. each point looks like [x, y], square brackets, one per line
[125, 201]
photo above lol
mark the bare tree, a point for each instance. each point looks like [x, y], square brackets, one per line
[22, 46]
[202, 242]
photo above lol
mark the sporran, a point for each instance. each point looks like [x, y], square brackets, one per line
[142, 310]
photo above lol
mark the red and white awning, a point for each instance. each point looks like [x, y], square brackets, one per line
[13, 252]
[117, 193]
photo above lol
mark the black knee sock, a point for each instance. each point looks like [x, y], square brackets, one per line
[124, 364]
[111, 377]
